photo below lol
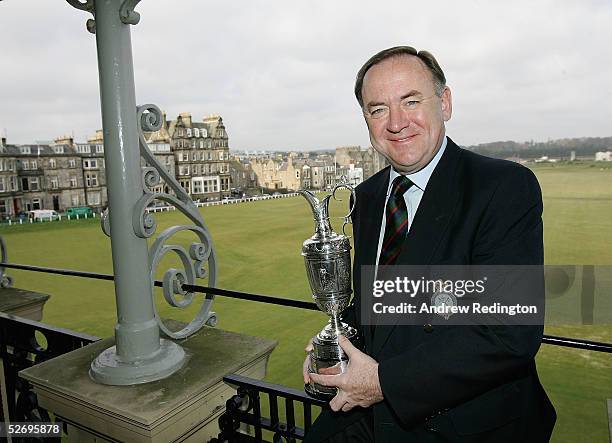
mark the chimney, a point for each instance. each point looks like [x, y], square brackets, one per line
[64, 140]
[186, 117]
[3, 141]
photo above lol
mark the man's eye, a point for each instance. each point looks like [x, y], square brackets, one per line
[377, 111]
[412, 103]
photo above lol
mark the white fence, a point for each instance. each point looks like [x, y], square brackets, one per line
[153, 209]
[29, 220]
[224, 202]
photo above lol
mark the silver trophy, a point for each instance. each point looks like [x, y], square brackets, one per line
[327, 256]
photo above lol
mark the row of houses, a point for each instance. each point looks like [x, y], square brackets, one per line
[64, 173]
[293, 171]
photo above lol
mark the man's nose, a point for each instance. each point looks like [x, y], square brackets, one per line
[398, 120]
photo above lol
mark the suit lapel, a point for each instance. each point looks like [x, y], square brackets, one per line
[429, 224]
[370, 216]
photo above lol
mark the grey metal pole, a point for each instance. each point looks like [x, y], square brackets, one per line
[139, 355]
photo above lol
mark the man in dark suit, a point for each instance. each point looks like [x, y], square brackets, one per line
[435, 383]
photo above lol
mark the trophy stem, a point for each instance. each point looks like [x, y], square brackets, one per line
[334, 324]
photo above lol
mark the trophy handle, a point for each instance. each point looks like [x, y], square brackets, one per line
[347, 217]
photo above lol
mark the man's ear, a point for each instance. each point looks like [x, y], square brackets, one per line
[447, 104]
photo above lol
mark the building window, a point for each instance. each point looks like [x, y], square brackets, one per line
[211, 186]
[73, 182]
[74, 198]
[52, 163]
[196, 131]
[225, 184]
[2, 186]
[194, 156]
[34, 183]
[54, 183]
[184, 170]
[33, 164]
[90, 163]
[100, 149]
[91, 180]
[13, 183]
[188, 132]
[35, 203]
[71, 163]
[197, 186]
[25, 150]
[3, 207]
[94, 198]
[185, 156]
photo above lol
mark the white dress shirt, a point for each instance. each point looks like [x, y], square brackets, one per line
[413, 196]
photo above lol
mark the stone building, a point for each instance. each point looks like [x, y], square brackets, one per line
[48, 176]
[280, 174]
[9, 186]
[94, 171]
[323, 171]
[159, 144]
[201, 153]
[242, 175]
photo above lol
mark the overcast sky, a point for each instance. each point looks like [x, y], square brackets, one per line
[281, 73]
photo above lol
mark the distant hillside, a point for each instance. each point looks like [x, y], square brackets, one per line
[584, 147]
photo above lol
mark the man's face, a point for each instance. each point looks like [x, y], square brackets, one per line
[404, 115]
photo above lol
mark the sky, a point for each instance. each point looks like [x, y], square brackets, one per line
[281, 73]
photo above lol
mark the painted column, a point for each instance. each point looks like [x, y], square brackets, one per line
[139, 355]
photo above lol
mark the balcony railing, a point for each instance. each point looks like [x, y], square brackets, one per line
[287, 415]
[24, 343]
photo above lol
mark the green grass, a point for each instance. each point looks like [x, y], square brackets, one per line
[258, 249]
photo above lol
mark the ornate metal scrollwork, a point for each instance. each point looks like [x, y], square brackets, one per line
[5, 280]
[86, 5]
[199, 260]
[127, 13]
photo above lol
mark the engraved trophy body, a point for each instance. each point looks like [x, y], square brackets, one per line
[327, 256]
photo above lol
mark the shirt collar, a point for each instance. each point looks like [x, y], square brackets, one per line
[421, 177]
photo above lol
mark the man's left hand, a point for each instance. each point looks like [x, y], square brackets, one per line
[358, 385]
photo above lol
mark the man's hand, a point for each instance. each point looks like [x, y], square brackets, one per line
[358, 385]
[306, 366]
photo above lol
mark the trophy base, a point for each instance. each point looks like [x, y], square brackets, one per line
[328, 358]
[312, 389]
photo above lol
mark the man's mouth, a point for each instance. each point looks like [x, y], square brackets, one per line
[402, 139]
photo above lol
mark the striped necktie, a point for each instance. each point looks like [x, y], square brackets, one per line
[396, 226]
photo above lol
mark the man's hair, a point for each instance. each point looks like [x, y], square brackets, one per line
[426, 57]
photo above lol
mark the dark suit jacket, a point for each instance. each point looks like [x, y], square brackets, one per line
[455, 383]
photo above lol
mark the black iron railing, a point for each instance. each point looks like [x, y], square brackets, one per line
[246, 408]
[20, 348]
[576, 343]
[24, 343]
